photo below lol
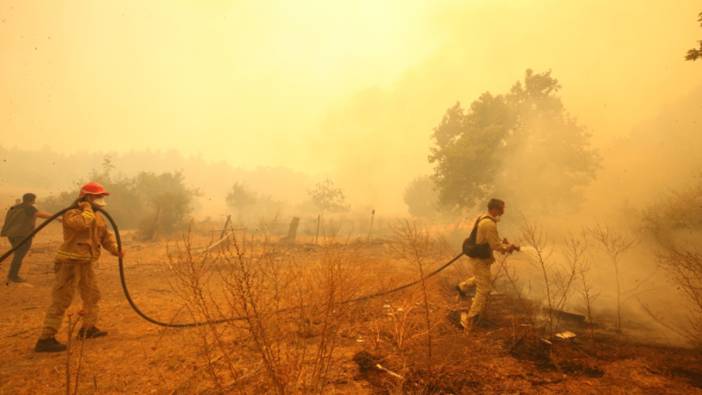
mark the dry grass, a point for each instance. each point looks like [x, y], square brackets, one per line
[415, 246]
[296, 334]
[289, 311]
[292, 308]
[294, 316]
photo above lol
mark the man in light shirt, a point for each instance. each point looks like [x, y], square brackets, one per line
[484, 240]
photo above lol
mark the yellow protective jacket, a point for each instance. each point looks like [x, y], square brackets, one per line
[84, 232]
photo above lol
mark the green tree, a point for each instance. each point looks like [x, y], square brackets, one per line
[695, 53]
[506, 144]
[153, 203]
[168, 199]
[327, 197]
[125, 204]
[240, 197]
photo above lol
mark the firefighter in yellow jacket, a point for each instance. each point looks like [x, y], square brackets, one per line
[84, 234]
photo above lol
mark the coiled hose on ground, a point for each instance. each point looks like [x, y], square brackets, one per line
[140, 313]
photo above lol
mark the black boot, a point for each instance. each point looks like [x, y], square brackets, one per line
[49, 345]
[90, 333]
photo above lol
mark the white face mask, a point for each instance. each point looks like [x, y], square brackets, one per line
[100, 202]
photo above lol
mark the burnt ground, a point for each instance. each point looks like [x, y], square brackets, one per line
[509, 354]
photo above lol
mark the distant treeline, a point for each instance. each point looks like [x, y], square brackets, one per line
[49, 173]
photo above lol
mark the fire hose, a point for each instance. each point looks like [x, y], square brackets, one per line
[143, 315]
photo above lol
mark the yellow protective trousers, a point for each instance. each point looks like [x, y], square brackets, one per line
[69, 275]
[481, 279]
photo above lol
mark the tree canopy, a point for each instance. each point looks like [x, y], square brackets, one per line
[695, 53]
[506, 144]
[153, 203]
[240, 197]
[327, 197]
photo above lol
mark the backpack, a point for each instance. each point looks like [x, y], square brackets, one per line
[481, 251]
[10, 220]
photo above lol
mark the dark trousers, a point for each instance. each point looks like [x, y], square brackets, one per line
[19, 255]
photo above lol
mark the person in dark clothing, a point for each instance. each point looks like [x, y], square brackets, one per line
[19, 223]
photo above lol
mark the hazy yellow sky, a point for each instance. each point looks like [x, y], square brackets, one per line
[239, 80]
[348, 88]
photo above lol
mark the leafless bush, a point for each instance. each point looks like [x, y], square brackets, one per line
[510, 274]
[73, 378]
[536, 238]
[614, 245]
[576, 254]
[402, 327]
[575, 250]
[587, 293]
[289, 311]
[524, 308]
[559, 278]
[415, 246]
[685, 268]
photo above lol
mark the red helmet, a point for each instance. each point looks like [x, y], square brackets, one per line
[93, 188]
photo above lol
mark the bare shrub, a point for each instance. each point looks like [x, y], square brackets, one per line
[558, 277]
[685, 268]
[523, 310]
[614, 245]
[73, 378]
[536, 238]
[575, 250]
[288, 311]
[415, 246]
[587, 293]
[402, 327]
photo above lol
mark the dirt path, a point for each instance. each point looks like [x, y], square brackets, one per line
[136, 357]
